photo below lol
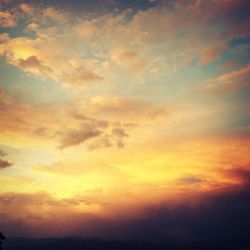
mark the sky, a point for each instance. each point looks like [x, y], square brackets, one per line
[125, 119]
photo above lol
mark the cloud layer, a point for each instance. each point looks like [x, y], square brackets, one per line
[125, 119]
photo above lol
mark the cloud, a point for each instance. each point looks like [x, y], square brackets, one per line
[101, 142]
[241, 174]
[108, 121]
[20, 119]
[114, 137]
[230, 82]
[123, 55]
[72, 50]
[102, 122]
[34, 65]
[211, 54]
[2, 153]
[4, 164]
[119, 134]
[27, 8]
[127, 109]
[4, 37]
[42, 130]
[21, 210]
[55, 14]
[94, 133]
[73, 126]
[80, 76]
[137, 41]
[190, 180]
[241, 74]
[223, 214]
[33, 27]
[34, 56]
[85, 29]
[78, 136]
[3, 2]
[129, 59]
[7, 19]
[217, 216]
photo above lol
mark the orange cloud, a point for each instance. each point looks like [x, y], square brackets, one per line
[33, 27]
[55, 15]
[34, 56]
[4, 37]
[27, 8]
[7, 19]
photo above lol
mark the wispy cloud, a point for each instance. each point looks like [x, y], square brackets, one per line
[230, 82]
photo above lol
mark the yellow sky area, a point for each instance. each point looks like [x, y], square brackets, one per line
[156, 164]
[124, 176]
[141, 150]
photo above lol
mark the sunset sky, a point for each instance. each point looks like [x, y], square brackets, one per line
[125, 119]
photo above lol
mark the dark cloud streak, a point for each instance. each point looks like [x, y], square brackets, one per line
[4, 163]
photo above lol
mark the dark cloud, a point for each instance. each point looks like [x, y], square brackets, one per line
[224, 214]
[4, 164]
[189, 180]
[34, 65]
[242, 174]
[110, 138]
[77, 136]
[96, 133]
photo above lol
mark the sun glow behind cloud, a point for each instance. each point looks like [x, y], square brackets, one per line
[108, 112]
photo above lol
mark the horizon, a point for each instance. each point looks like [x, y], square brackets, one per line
[125, 120]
